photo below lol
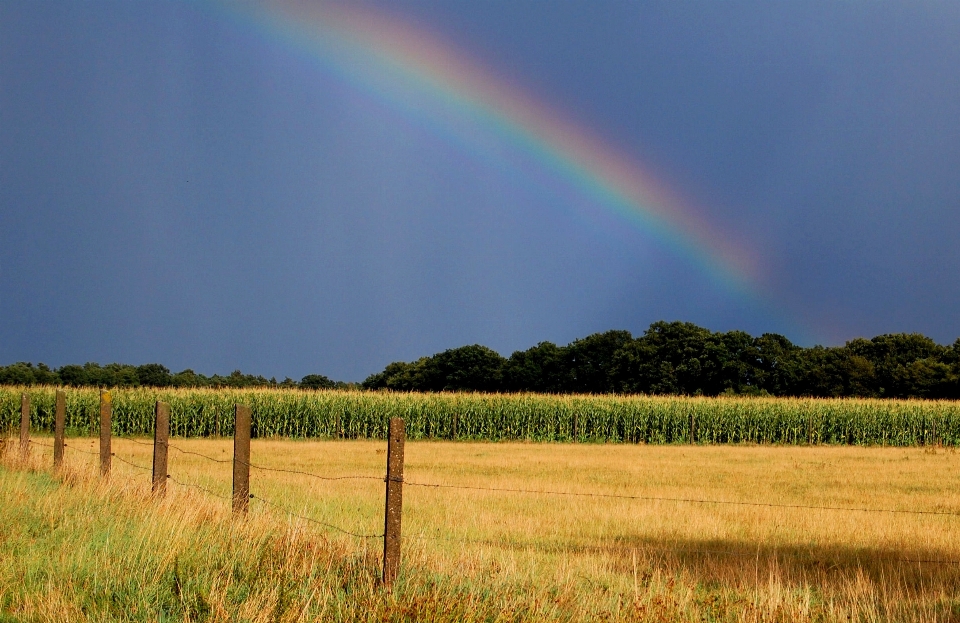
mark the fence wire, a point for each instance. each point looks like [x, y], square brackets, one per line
[687, 500]
[310, 474]
[81, 450]
[513, 544]
[130, 463]
[312, 520]
[196, 486]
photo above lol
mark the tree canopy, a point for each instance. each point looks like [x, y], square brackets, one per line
[669, 358]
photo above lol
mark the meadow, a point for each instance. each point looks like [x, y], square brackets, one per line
[332, 414]
[78, 548]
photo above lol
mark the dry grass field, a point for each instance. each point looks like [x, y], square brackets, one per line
[473, 554]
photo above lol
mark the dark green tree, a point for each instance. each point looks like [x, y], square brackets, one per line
[541, 369]
[316, 381]
[589, 362]
[154, 375]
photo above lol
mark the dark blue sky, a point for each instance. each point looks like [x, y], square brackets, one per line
[180, 186]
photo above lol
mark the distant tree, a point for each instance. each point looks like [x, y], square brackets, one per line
[891, 354]
[43, 375]
[590, 362]
[154, 375]
[73, 375]
[189, 378]
[316, 381]
[776, 364]
[669, 358]
[541, 368]
[395, 376]
[468, 368]
[24, 373]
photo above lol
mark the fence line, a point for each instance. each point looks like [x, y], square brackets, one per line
[394, 482]
[688, 500]
[564, 493]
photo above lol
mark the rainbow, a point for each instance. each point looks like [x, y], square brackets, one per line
[392, 59]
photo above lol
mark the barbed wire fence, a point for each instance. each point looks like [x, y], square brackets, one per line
[394, 482]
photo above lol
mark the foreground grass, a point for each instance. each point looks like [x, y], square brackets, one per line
[76, 548]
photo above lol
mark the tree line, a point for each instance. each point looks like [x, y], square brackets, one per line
[683, 358]
[669, 358]
[148, 375]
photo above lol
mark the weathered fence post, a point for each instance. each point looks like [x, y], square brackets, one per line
[59, 423]
[693, 429]
[161, 434]
[394, 505]
[106, 415]
[24, 425]
[241, 459]
[453, 427]
[574, 427]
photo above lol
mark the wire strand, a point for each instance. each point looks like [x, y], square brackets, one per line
[204, 489]
[142, 443]
[668, 499]
[81, 450]
[312, 475]
[132, 464]
[318, 522]
[209, 458]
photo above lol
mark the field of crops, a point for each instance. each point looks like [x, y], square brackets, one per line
[500, 417]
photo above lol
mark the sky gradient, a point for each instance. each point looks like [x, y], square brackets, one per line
[260, 186]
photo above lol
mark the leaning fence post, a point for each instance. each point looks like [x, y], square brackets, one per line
[24, 425]
[241, 459]
[59, 422]
[394, 505]
[106, 414]
[161, 434]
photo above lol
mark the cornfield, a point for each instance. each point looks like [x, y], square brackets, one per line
[501, 417]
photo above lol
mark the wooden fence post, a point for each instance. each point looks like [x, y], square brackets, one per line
[241, 459]
[106, 414]
[24, 425]
[693, 429]
[59, 423]
[453, 427]
[161, 434]
[394, 505]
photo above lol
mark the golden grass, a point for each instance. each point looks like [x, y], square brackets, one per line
[516, 556]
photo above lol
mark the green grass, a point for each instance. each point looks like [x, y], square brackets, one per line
[505, 417]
